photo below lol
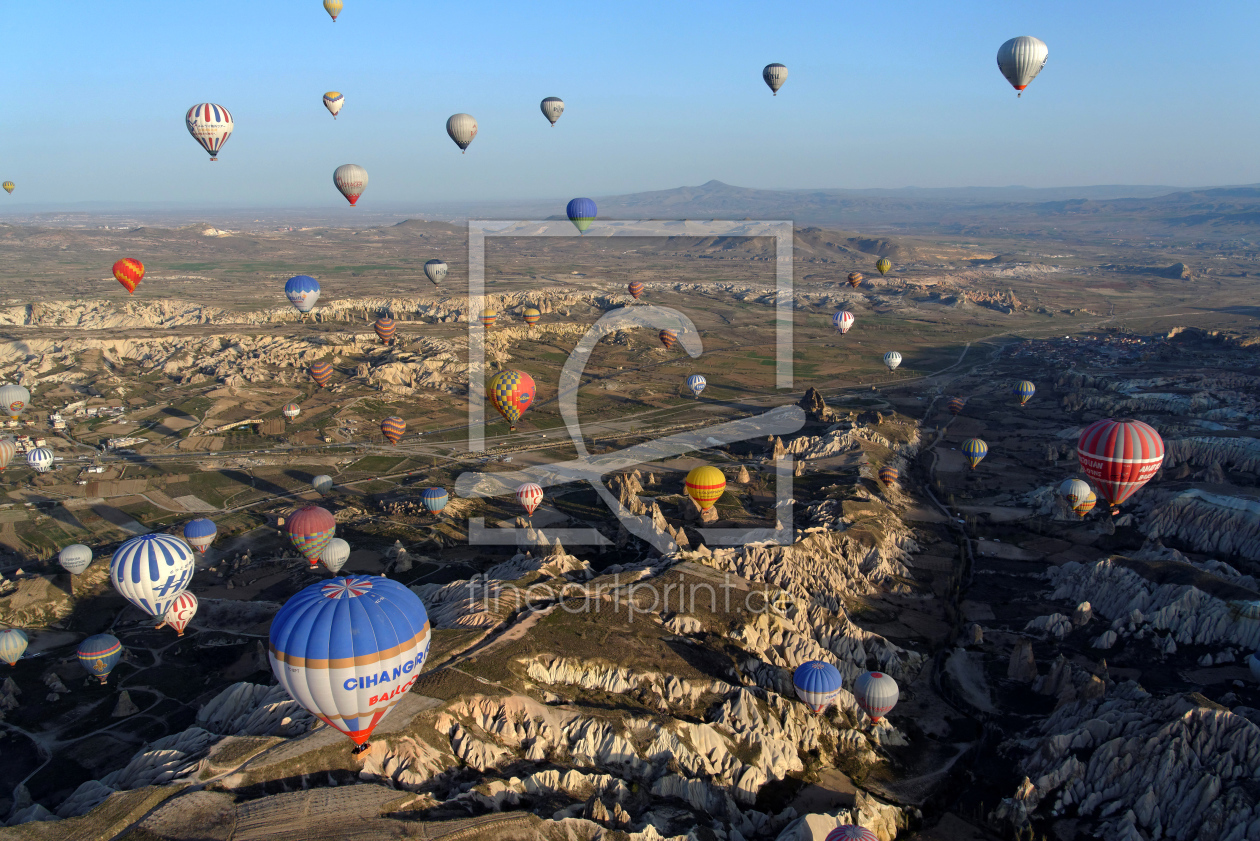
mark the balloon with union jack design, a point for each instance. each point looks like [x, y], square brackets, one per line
[1120, 456]
[347, 650]
[151, 570]
[210, 125]
[530, 496]
[180, 613]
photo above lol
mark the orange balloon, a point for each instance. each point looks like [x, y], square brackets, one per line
[129, 273]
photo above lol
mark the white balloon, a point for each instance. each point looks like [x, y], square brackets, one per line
[335, 555]
[436, 270]
[41, 459]
[151, 570]
[351, 180]
[552, 108]
[322, 483]
[462, 128]
[210, 125]
[1021, 59]
[75, 558]
[892, 359]
[775, 75]
[876, 694]
[333, 102]
[14, 399]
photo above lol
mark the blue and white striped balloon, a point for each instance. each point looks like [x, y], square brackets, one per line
[40, 458]
[696, 382]
[13, 643]
[302, 292]
[151, 570]
[817, 684]
[200, 533]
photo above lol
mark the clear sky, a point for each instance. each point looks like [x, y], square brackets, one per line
[658, 95]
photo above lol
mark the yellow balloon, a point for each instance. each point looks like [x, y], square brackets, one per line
[8, 186]
[333, 7]
[705, 485]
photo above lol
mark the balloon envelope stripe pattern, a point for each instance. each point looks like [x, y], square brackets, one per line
[817, 683]
[347, 650]
[13, 643]
[1120, 456]
[849, 832]
[151, 570]
[310, 529]
[511, 392]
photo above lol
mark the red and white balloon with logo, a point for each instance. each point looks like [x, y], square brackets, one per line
[1120, 456]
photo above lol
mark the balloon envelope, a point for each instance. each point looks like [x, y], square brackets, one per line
[181, 612]
[41, 459]
[322, 483]
[347, 650]
[351, 180]
[434, 499]
[435, 270]
[531, 316]
[8, 449]
[850, 832]
[210, 125]
[291, 410]
[14, 399]
[1021, 59]
[1024, 390]
[888, 475]
[668, 338]
[9, 187]
[552, 108]
[129, 272]
[843, 320]
[310, 529]
[321, 373]
[817, 683]
[955, 405]
[13, 643]
[99, 654]
[697, 383]
[335, 555]
[200, 533]
[883, 265]
[511, 392]
[302, 292]
[876, 694]
[705, 485]
[855, 279]
[581, 213]
[393, 429]
[333, 101]
[635, 289]
[488, 318]
[1120, 456]
[75, 558]
[1074, 490]
[892, 359]
[530, 496]
[333, 7]
[974, 450]
[386, 328]
[774, 75]
[462, 128]
[151, 570]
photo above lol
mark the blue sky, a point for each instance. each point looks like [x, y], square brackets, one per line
[658, 95]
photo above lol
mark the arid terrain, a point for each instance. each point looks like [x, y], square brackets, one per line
[1060, 676]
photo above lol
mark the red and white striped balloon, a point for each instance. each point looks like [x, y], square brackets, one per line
[181, 612]
[530, 497]
[1120, 456]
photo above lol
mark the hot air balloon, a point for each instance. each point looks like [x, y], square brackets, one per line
[323, 483]
[463, 130]
[581, 213]
[842, 320]
[888, 475]
[892, 359]
[855, 279]
[511, 392]
[321, 373]
[552, 108]
[434, 499]
[974, 450]
[291, 410]
[99, 654]
[530, 496]
[668, 338]
[335, 555]
[883, 265]
[1085, 505]
[351, 180]
[14, 399]
[393, 428]
[775, 75]
[386, 328]
[1024, 390]
[333, 102]
[302, 292]
[9, 187]
[532, 316]
[8, 449]
[75, 558]
[200, 533]
[636, 289]
[41, 458]
[1120, 456]
[129, 272]
[1021, 59]
[151, 570]
[333, 7]
[435, 270]
[705, 485]
[13, 643]
[210, 125]
[955, 405]
[876, 694]
[180, 613]
[817, 684]
[1074, 490]
[696, 382]
[310, 529]
[347, 650]
[488, 318]
[851, 832]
